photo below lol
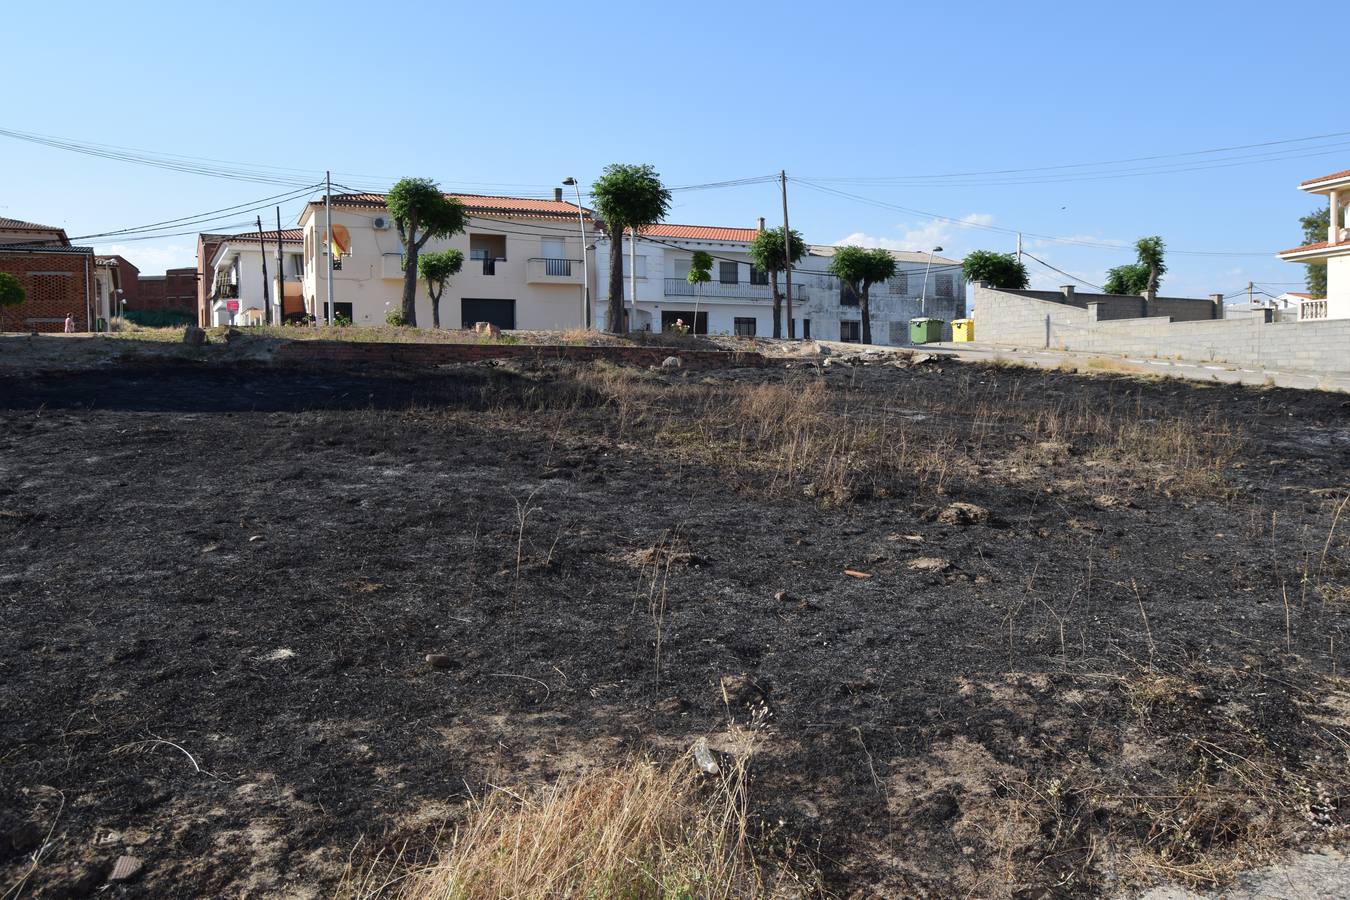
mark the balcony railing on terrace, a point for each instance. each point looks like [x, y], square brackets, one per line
[550, 270]
[678, 287]
[1312, 309]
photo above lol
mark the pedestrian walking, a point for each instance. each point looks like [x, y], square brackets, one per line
[70, 324]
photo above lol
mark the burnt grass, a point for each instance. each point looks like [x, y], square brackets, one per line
[218, 587]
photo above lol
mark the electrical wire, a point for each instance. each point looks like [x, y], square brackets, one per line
[1065, 274]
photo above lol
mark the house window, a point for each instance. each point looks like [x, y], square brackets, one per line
[745, 326]
[680, 269]
[898, 283]
[850, 330]
[945, 286]
[728, 273]
[758, 275]
[641, 266]
[806, 329]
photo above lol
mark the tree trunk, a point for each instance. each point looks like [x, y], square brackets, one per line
[777, 305]
[435, 307]
[410, 275]
[865, 310]
[614, 317]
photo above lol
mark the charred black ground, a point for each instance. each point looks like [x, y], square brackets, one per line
[218, 588]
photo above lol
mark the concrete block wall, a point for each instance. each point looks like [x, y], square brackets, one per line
[1012, 320]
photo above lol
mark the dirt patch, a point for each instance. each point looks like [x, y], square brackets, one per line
[219, 588]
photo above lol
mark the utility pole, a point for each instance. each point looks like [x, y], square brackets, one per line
[787, 257]
[632, 274]
[328, 216]
[281, 276]
[1249, 295]
[262, 248]
[1019, 246]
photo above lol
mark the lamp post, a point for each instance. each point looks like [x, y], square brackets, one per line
[923, 296]
[585, 269]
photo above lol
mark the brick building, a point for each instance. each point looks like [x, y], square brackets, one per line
[57, 278]
[175, 291]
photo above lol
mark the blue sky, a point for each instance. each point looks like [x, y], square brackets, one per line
[515, 96]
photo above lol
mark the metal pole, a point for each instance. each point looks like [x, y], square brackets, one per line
[262, 249]
[923, 297]
[328, 213]
[585, 270]
[281, 277]
[787, 258]
[632, 274]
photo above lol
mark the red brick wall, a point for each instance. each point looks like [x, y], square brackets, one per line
[176, 290]
[49, 296]
[149, 293]
[367, 354]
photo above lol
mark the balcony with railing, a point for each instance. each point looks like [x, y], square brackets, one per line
[679, 287]
[1312, 309]
[548, 270]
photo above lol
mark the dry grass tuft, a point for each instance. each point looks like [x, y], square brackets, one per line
[633, 831]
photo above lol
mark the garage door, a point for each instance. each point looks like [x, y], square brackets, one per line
[501, 313]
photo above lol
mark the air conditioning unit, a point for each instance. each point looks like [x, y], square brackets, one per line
[380, 223]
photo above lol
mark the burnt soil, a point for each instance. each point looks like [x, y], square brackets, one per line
[218, 588]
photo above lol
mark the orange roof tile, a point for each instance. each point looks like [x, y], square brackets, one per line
[480, 205]
[702, 233]
[294, 235]
[1320, 245]
[1344, 174]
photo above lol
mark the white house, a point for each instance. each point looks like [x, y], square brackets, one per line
[739, 301]
[523, 263]
[1334, 252]
[235, 291]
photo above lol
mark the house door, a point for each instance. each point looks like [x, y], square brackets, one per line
[501, 313]
[553, 248]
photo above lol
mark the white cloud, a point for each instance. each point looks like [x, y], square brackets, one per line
[153, 259]
[922, 237]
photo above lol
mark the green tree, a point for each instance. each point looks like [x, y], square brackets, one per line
[11, 294]
[436, 268]
[860, 268]
[1142, 276]
[1131, 278]
[766, 251]
[628, 197]
[1316, 226]
[421, 213]
[998, 270]
[700, 273]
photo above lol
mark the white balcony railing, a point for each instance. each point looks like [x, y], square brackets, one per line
[679, 287]
[1312, 309]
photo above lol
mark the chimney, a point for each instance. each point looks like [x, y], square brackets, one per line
[761, 223]
[557, 195]
[1068, 291]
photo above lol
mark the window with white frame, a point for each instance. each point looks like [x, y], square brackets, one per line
[641, 266]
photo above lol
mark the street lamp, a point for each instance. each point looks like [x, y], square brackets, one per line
[923, 297]
[585, 270]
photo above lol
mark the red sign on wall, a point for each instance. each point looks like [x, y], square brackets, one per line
[232, 305]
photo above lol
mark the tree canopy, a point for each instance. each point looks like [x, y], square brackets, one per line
[860, 268]
[1316, 225]
[1143, 275]
[626, 196]
[436, 268]
[768, 252]
[421, 213]
[11, 294]
[997, 270]
[700, 268]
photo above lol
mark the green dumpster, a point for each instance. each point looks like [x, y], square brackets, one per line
[925, 330]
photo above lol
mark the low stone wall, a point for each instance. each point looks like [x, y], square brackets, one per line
[398, 354]
[1011, 320]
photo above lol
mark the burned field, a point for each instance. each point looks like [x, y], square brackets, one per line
[973, 631]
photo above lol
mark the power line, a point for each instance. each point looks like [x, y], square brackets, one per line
[1065, 274]
[1010, 231]
[1110, 162]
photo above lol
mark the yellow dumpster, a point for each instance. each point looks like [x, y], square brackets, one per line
[963, 329]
